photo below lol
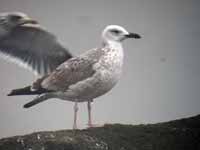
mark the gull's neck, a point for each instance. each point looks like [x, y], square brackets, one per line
[116, 52]
[114, 56]
[113, 45]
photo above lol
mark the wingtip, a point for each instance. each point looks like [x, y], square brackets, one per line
[25, 106]
[28, 105]
[10, 94]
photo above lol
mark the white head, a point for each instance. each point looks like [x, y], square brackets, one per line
[115, 33]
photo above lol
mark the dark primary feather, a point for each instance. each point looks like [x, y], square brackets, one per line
[27, 91]
[34, 46]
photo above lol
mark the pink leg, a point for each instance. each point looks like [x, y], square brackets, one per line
[90, 124]
[75, 115]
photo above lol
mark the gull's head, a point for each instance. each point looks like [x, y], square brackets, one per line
[10, 20]
[115, 33]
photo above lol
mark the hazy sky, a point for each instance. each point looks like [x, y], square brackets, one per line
[161, 76]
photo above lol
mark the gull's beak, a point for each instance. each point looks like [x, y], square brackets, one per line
[133, 35]
[28, 20]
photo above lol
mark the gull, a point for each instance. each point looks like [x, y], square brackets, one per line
[72, 78]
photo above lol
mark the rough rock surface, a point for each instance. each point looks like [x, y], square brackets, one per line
[183, 134]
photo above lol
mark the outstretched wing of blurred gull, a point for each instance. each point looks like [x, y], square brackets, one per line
[25, 42]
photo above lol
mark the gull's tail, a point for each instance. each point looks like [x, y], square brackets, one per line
[27, 91]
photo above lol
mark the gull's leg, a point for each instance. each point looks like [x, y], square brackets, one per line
[75, 115]
[90, 124]
[89, 114]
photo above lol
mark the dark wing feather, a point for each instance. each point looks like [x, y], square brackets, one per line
[35, 48]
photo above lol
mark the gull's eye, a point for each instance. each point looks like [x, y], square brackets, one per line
[15, 17]
[115, 31]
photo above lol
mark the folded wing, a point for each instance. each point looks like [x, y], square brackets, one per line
[73, 71]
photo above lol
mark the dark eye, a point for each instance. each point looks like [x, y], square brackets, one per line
[115, 31]
[15, 17]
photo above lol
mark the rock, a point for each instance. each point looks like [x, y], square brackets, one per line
[183, 134]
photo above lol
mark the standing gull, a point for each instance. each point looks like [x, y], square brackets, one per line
[81, 78]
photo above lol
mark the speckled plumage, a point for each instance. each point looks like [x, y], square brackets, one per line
[88, 76]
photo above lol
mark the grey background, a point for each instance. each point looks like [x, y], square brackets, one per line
[161, 76]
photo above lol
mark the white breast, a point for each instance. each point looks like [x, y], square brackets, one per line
[109, 67]
[113, 58]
